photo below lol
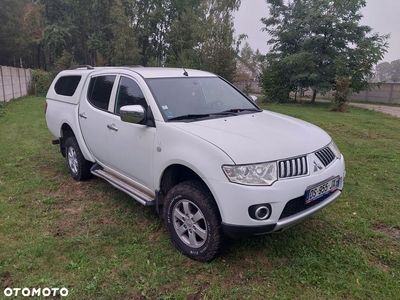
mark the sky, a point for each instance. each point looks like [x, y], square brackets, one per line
[381, 15]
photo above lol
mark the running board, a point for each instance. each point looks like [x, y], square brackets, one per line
[135, 193]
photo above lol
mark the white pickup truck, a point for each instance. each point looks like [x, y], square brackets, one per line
[190, 144]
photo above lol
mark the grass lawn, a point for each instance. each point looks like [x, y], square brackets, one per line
[100, 244]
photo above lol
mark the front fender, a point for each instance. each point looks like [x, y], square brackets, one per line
[178, 147]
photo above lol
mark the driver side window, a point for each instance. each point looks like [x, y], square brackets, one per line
[129, 93]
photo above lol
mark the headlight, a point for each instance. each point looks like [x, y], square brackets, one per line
[335, 150]
[254, 174]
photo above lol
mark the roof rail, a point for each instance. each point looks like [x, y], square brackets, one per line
[89, 67]
[133, 66]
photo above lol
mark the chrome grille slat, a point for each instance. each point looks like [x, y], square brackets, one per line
[325, 155]
[293, 167]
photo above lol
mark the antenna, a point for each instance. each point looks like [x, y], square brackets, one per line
[177, 58]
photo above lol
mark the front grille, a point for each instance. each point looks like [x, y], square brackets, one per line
[293, 167]
[297, 205]
[325, 155]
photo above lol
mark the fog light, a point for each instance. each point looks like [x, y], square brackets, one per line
[260, 212]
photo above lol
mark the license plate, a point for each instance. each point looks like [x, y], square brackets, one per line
[322, 189]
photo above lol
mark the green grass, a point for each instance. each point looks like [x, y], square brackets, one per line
[100, 244]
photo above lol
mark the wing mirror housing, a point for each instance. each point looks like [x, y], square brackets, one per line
[132, 114]
[253, 98]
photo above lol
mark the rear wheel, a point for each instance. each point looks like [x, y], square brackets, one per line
[78, 166]
[193, 221]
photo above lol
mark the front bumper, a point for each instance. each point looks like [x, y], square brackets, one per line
[238, 231]
[286, 198]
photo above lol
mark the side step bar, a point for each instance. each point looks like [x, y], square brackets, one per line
[135, 193]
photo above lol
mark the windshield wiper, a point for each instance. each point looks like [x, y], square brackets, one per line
[235, 111]
[189, 117]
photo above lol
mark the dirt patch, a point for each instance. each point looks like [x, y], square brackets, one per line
[390, 110]
[68, 205]
[381, 266]
[392, 232]
[72, 202]
[6, 279]
[70, 190]
[200, 294]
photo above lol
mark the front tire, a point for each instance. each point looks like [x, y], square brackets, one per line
[193, 221]
[77, 165]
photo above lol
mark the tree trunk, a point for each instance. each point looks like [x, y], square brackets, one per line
[314, 95]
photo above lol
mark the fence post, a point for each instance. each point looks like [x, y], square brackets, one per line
[19, 81]
[2, 83]
[366, 95]
[26, 81]
[391, 93]
[12, 83]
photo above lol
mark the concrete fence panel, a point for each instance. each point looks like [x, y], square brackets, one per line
[385, 93]
[14, 82]
[7, 83]
[2, 96]
[388, 93]
[396, 94]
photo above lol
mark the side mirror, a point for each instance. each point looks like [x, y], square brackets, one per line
[253, 98]
[132, 113]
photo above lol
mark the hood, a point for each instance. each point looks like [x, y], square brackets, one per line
[259, 137]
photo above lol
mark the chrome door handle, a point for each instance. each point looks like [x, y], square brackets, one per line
[112, 127]
[83, 115]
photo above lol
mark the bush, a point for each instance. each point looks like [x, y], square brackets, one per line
[342, 94]
[40, 82]
[275, 84]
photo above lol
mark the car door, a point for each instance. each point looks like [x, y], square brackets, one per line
[94, 114]
[130, 146]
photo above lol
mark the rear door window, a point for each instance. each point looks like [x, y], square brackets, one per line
[99, 91]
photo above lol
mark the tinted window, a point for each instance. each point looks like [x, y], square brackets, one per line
[129, 93]
[66, 85]
[100, 91]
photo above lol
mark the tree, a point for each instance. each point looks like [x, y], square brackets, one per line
[81, 29]
[34, 27]
[388, 71]
[124, 45]
[186, 36]
[201, 36]
[13, 37]
[275, 82]
[395, 70]
[383, 71]
[56, 38]
[51, 34]
[219, 47]
[320, 43]
[249, 66]
[245, 65]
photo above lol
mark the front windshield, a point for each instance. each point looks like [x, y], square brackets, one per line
[201, 97]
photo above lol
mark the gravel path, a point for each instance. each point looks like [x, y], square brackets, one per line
[391, 110]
